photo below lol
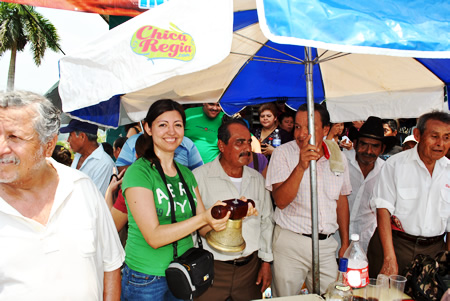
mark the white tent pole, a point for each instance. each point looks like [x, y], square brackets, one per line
[313, 170]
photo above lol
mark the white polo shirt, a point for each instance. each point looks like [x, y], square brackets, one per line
[65, 259]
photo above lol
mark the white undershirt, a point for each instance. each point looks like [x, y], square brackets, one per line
[237, 183]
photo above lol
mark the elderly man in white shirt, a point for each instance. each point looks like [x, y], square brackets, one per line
[57, 236]
[412, 200]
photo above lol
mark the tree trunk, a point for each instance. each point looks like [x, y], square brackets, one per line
[12, 69]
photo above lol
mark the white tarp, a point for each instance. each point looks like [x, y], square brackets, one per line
[176, 38]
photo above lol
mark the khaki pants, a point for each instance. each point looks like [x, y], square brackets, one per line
[292, 262]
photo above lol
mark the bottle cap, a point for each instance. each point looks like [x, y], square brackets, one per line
[354, 237]
[343, 264]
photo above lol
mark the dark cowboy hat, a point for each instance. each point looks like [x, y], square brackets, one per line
[373, 128]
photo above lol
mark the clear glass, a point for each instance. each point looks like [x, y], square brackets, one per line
[339, 289]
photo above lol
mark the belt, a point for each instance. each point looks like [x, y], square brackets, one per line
[321, 236]
[419, 240]
[240, 261]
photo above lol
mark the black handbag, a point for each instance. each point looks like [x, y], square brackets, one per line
[428, 278]
[192, 273]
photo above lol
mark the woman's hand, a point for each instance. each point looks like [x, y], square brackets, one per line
[216, 224]
[267, 149]
[116, 180]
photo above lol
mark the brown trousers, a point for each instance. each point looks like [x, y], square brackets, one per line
[405, 251]
[233, 282]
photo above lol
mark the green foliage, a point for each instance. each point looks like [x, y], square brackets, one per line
[20, 25]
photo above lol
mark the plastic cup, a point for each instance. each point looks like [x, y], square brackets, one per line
[383, 281]
[397, 284]
[373, 290]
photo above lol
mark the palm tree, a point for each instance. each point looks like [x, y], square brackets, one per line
[20, 24]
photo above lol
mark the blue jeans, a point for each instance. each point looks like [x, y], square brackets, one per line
[139, 286]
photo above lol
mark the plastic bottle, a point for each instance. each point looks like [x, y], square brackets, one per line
[339, 289]
[276, 139]
[270, 141]
[358, 266]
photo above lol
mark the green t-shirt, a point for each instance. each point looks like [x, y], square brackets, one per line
[202, 130]
[140, 256]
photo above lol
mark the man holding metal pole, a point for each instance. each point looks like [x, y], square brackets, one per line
[288, 179]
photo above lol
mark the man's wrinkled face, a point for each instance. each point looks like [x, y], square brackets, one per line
[211, 109]
[21, 151]
[367, 150]
[238, 150]
[434, 143]
[76, 141]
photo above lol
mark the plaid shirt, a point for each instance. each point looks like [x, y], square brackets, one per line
[296, 216]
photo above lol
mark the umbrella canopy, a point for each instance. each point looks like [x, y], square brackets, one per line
[258, 70]
[372, 82]
[175, 38]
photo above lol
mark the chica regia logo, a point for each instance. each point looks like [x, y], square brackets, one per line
[158, 43]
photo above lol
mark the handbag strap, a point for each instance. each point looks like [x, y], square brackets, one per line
[172, 203]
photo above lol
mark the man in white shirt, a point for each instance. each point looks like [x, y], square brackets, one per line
[242, 276]
[412, 200]
[90, 156]
[57, 236]
[364, 167]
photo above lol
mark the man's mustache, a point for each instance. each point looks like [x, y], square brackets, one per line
[369, 155]
[9, 160]
[248, 154]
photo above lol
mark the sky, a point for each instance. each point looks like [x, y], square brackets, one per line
[75, 29]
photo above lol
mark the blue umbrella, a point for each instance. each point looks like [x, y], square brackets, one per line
[274, 72]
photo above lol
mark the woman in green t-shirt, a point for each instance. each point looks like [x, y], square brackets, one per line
[149, 248]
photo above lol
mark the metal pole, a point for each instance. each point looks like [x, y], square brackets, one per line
[313, 171]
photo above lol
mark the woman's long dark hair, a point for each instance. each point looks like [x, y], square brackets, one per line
[157, 108]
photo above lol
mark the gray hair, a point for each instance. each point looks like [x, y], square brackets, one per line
[434, 115]
[89, 136]
[47, 120]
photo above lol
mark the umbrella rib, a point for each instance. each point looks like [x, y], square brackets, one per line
[267, 59]
[331, 57]
[270, 60]
[265, 45]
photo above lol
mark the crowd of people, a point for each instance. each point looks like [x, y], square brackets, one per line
[60, 217]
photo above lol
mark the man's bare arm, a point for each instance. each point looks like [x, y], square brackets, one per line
[343, 220]
[284, 193]
[390, 266]
[111, 286]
